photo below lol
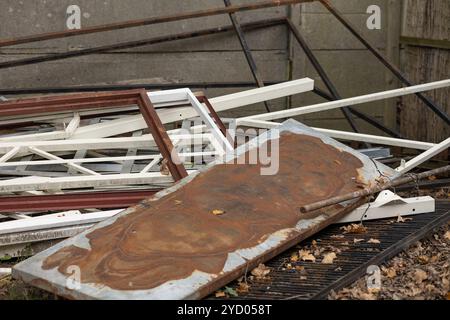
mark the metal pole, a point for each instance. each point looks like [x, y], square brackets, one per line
[148, 86]
[312, 58]
[374, 122]
[148, 21]
[331, 87]
[372, 190]
[138, 43]
[436, 109]
[248, 55]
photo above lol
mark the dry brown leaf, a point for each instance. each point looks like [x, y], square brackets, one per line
[423, 259]
[220, 294]
[218, 212]
[261, 271]
[374, 241]
[355, 240]
[400, 219]
[447, 235]
[390, 273]
[303, 278]
[420, 275]
[354, 228]
[299, 268]
[432, 178]
[242, 287]
[329, 258]
[306, 255]
[294, 257]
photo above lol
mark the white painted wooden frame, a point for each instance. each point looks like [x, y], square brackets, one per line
[351, 101]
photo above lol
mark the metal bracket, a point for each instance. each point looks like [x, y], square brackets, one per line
[390, 205]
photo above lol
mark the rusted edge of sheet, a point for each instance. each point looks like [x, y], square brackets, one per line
[199, 284]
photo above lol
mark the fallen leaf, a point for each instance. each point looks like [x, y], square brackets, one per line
[447, 235]
[242, 287]
[357, 240]
[338, 236]
[374, 241]
[390, 273]
[231, 292]
[294, 257]
[432, 178]
[261, 271]
[400, 219]
[420, 275]
[303, 278]
[299, 268]
[306, 255]
[354, 228]
[329, 258]
[220, 294]
[217, 212]
[423, 259]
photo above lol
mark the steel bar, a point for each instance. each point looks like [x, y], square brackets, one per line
[369, 119]
[148, 21]
[203, 99]
[396, 71]
[323, 75]
[161, 137]
[121, 87]
[137, 43]
[248, 54]
[351, 101]
[332, 88]
[387, 184]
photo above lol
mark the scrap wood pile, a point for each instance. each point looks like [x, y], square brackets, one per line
[161, 198]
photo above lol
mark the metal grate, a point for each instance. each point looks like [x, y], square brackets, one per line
[350, 264]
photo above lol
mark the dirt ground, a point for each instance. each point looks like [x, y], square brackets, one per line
[420, 273]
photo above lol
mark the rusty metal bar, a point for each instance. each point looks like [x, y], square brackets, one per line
[121, 87]
[396, 71]
[138, 43]
[372, 190]
[161, 137]
[148, 21]
[203, 99]
[73, 201]
[248, 54]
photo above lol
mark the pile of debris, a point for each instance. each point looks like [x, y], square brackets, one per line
[161, 198]
[112, 150]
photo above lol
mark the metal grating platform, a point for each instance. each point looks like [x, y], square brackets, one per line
[351, 264]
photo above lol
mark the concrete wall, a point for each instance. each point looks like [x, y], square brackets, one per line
[213, 58]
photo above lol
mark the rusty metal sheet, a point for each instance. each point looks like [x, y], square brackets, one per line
[173, 246]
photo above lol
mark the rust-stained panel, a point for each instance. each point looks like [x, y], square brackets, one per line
[204, 232]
